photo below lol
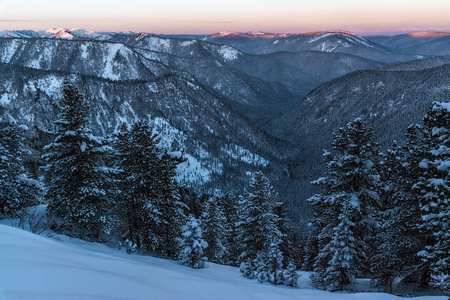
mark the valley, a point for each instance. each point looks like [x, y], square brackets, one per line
[234, 103]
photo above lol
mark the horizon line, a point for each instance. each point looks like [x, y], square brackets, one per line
[354, 32]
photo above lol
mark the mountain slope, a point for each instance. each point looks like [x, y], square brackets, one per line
[109, 60]
[421, 43]
[326, 41]
[189, 116]
[35, 267]
[388, 100]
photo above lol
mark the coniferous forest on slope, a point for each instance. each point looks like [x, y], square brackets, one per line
[380, 208]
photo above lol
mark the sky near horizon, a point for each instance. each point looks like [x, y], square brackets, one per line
[203, 16]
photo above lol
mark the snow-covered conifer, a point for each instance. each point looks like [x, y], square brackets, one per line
[398, 238]
[76, 178]
[434, 192]
[346, 204]
[193, 245]
[275, 264]
[17, 191]
[344, 261]
[259, 222]
[149, 209]
[214, 231]
[290, 275]
[229, 205]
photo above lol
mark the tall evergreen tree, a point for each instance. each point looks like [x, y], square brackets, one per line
[76, 179]
[343, 265]
[214, 230]
[259, 224]
[149, 209]
[342, 213]
[229, 205]
[17, 191]
[434, 191]
[398, 239]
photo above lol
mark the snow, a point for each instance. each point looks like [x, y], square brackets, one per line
[157, 44]
[444, 105]
[10, 50]
[187, 43]
[239, 153]
[38, 267]
[109, 64]
[84, 53]
[4, 99]
[229, 53]
[59, 32]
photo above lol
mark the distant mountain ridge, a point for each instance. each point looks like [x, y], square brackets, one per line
[235, 102]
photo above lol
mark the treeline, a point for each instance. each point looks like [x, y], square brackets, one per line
[122, 188]
[384, 215]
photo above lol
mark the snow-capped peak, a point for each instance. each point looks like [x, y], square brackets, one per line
[331, 32]
[428, 34]
[59, 32]
[249, 35]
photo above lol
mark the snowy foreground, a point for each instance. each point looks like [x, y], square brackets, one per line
[37, 267]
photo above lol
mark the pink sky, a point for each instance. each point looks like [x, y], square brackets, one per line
[200, 16]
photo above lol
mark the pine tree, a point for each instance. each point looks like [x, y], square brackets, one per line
[259, 223]
[172, 209]
[342, 267]
[214, 231]
[398, 239]
[275, 264]
[434, 192]
[346, 204]
[229, 205]
[76, 178]
[149, 209]
[262, 269]
[17, 191]
[193, 245]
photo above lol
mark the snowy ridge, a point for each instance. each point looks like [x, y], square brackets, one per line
[109, 60]
[59, 32]
[249, 34]
[348, 37]
[428, 34]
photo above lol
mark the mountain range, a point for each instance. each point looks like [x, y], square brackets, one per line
[234, 102]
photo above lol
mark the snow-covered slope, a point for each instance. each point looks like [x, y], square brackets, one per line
[35, 267]
[187, 115]
[108, 60]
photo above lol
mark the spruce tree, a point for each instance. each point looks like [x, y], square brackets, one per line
[258, 225]
[343, 212]
[149, 211]
[290, 275]
[341, 271]
[76, 179]
[434, 193]
[398, 238]
[229, 205]
[214, 231]
[275, 263]
[193, 245]
[172, 209]
[17, 190]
